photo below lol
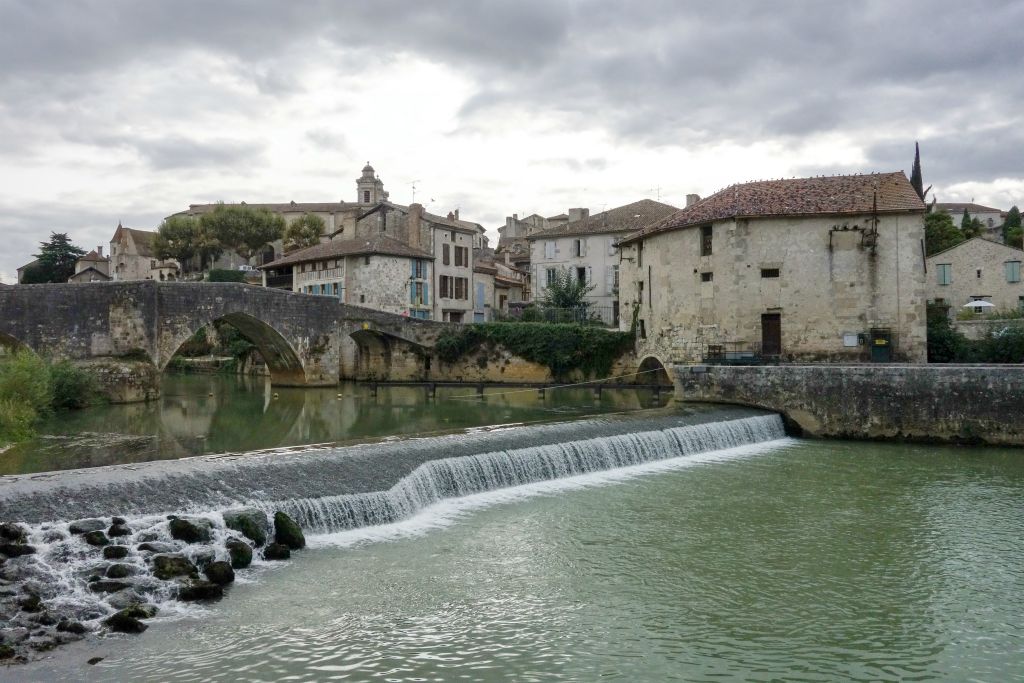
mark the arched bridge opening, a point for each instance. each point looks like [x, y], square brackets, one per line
[653, 371]
[282, 360]
[381, 356]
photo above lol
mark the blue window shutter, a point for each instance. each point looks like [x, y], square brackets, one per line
[412, 262]
[426, 294]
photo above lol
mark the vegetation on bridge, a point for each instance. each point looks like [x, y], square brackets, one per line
[561, 348]
[31, 388]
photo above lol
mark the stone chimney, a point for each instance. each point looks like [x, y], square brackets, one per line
[692, 199]
[413, 223]
[578, 214]
[451, 216]
[99, 250]
[456, 214]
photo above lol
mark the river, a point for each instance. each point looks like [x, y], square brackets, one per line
[200, 414]
[799, 560]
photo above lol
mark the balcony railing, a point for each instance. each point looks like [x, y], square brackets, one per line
[320, 275]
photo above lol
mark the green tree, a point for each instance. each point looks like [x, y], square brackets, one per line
[566, 291]
[305, 231]
[1012, 222]
[940, 233]
[242, 228]
[56, 259]
[970, 227]
[916, 179]
[176, 239]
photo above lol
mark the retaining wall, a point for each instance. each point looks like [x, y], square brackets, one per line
[931, 403]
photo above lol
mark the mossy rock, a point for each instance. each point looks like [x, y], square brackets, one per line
[220, 573]
[115, 552]
[16, 549]
[124, 622]
[84, 526]
[116, 530]
[12, 532]
[97, 538]
[168, 566]
[200, 590]
[276, 551]
[190, 530]
[120, 571]
[287, 532]
[249, 522]
[240, 552]
[6, 652]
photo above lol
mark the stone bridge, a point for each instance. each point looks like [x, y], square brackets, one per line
[305, 340]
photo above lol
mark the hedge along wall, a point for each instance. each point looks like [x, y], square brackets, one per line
[566, 352]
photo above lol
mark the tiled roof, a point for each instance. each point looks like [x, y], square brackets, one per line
[143, 239]
[380, 244]
[1013, 250]
[823, 196]
[626, 218]
[93, 256]
[955, 207]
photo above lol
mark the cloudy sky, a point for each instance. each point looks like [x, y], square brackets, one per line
[130, 110]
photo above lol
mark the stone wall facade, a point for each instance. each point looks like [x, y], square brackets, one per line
[977, 269]
[593, 255]
[929, 403]
[826, 279]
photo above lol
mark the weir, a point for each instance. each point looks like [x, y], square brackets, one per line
[329, 489]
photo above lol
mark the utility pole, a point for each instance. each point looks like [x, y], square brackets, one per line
[656, 190]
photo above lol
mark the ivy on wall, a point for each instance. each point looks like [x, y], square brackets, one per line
[562, 348]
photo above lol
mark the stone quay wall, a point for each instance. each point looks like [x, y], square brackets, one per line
[928, 403]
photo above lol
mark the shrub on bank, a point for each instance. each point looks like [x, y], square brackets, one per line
[946, 345]
[31, 388]
[562, 348]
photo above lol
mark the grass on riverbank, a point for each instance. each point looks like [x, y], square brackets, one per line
[32, 388]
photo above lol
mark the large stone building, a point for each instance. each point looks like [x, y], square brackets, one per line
[977, 270]
[585, 246]
[496, 285]
[394, 258]
[828, 268]
[132, 257]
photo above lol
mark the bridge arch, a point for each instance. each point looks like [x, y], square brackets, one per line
[654, 371]
[280, 356]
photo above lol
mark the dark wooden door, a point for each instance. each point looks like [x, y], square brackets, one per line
[771, 334]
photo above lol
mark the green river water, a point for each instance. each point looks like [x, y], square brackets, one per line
[813, 561]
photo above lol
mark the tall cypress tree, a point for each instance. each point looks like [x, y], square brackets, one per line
[916, 179]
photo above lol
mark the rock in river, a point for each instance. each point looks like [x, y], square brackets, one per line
[115, 552]
[84, 526]
[169, 566]
[287, 532]
[276, 551]
[200, 590]
[240, 552]
[190, 530]
[249, 522]
[220, 573]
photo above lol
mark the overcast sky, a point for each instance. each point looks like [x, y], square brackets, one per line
[130, 110]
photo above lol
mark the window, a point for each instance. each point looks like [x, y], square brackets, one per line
[705, 240]
[1012, 271]
[461, 256]
[366, 196]
[979, 273]
[978, 309]
[446, 287]
[615, 278]
[639, 254]
[461, 288]
[446, 254]
[550, 276]
[577, 247]
[944, 273]
[707, 277]
[640, 291]
[1020, 303]
[418, 294]
[419, 269]
[581, 275]
[769, 272]
[549, 250]
[362, 298]
[643, 330]
[366, 260]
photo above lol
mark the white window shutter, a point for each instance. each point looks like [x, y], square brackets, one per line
[583, 246]
[609, 281]
[590, 275]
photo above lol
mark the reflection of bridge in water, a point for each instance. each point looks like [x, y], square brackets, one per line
[304, 340]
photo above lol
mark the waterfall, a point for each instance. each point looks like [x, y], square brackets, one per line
[455, 477]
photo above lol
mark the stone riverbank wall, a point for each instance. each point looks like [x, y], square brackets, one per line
[928, 403]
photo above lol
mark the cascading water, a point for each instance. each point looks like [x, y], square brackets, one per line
[73, 578]
[436, 480]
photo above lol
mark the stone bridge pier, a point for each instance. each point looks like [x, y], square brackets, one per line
[305, 340]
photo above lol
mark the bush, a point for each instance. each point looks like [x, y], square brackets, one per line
[945, 345]
[25, 379]
[219, 275]
[72, 386]
[562, 348]
[531, 314]
[16, 421]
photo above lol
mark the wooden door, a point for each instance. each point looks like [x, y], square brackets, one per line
[771, 334]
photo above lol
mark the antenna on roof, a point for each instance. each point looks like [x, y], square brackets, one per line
[413, 184]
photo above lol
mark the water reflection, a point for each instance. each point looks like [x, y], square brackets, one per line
[200, 414]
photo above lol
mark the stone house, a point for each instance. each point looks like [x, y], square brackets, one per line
[991, 219]
[497, 283]
[93, 267]
[808, 269]
[977, 270]
[132, 257]
[378, 272]
[585, 245]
